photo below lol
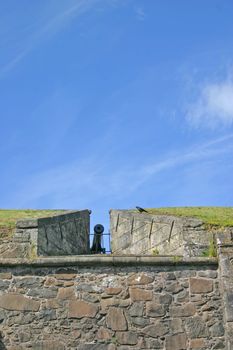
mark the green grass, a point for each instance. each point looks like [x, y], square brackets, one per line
[8, 218]
[213, 216]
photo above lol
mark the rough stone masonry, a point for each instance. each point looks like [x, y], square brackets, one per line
[111, 303]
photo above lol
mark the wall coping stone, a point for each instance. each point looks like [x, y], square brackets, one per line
[109, 260]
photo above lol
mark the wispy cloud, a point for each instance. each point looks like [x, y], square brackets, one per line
[90, 181]
[140, 13]
[47, 28]
[213, 106]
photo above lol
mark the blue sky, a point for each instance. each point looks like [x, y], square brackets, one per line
[116, 103]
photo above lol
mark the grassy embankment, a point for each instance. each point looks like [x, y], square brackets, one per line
[211, 216]
[8, 218]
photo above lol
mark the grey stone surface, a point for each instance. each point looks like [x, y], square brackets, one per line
[137, 233]
[66, 234]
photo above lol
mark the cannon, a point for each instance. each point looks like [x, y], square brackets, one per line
[97, 240]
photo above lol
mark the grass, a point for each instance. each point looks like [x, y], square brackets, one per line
[8, 218]
[212, 216]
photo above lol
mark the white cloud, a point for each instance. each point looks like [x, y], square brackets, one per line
[214, 105]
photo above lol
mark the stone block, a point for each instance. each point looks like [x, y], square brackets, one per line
[26, 223]
[185, 310]
[113, 290]
[200, 285]
[196, 327]
[217, 330]
[176, 342]
[198, 343]
[127, 338]
[139, 321]
[155, 330]
[136, 309]
[66, 293]
[138, 294]
[116, 319]
[176, 326]
[104, 333]
[80, 309]
[17, 302]
[155, 310]
[139, 278]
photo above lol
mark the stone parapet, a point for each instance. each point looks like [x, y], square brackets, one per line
[141, 233]
[63, 234]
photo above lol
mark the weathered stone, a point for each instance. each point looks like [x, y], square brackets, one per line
[208, 274]
[127, 338]
[43, 293]
[175, 326]
[113, 290]
[27, 223]
[5, 275]
[196, 327]
[66, 293]
[2, 315]
[155, 310]
[185, 310]
[162, 298]
[104, 333]
[27, 282]
[51, 281]
[136, 309]
[18, 302]
[173, 287]
[200, 285]
[53, 303]
[183, 296]
[92, 298]
[156, 330]
[220, 345]
[138, 294]
[65, 276]
[48, 345]
[24, 337]
[106, 303]
[229, 305]
[170, 276]
[4, 284]
[217, 330]
[176, 342]
[153, 344]
[116, 319]
[198, 343]
[140, 278]
[47, 315]
[139, 321]
[80, 308]
[85, 287]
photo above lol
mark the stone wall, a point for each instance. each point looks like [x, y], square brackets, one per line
[141, 233]
[106, 302]
[63, 234]
[225, 256]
